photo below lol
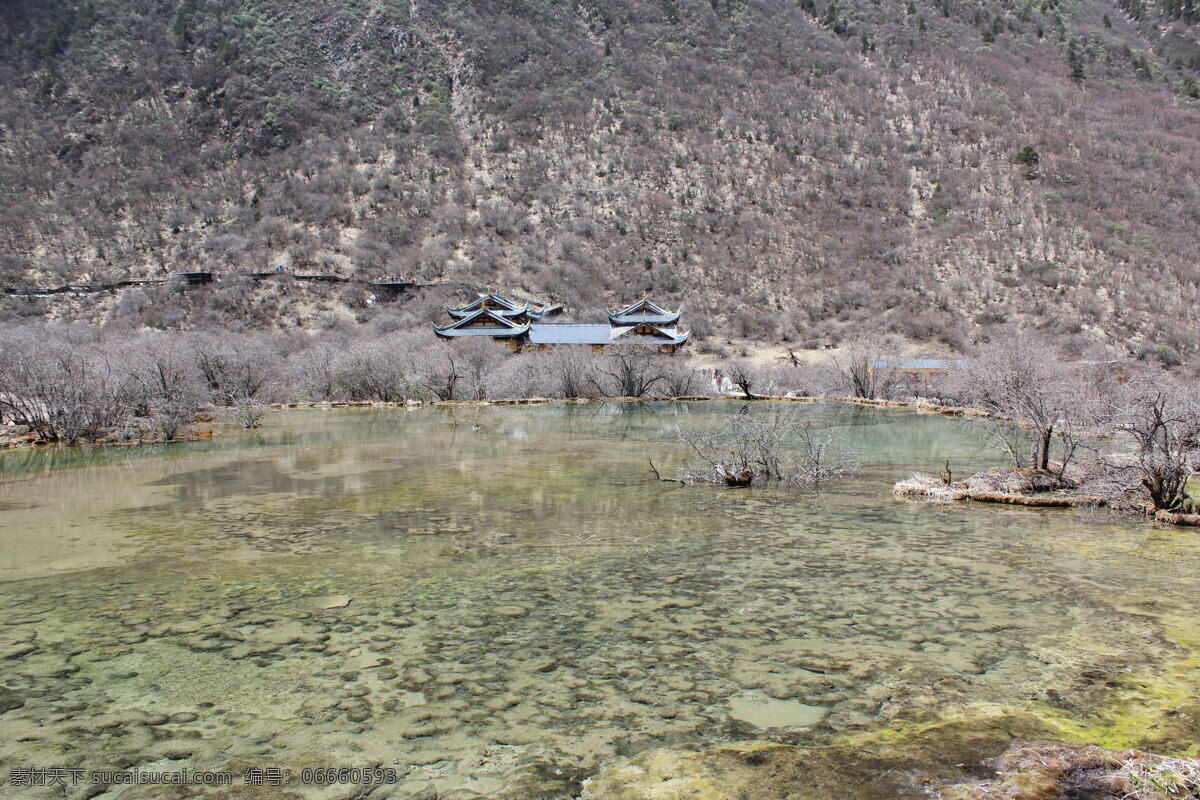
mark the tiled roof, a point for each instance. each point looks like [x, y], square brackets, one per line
[495, 316]
[643, 311]
[494, 299]
[919, 363]
[643, 316]
[570, 333]
[468, 326]
[467, 311]
[597, 333]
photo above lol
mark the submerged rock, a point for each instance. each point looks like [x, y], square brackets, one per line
[10, 700]
[942, 754]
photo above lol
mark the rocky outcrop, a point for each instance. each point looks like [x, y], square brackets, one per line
[1047, 770]
[1027, 770]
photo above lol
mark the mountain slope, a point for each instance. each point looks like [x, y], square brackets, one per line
[789, 170]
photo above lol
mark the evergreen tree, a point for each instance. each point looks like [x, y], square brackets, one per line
[1075, 62]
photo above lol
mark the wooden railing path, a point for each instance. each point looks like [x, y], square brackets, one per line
[201, 278]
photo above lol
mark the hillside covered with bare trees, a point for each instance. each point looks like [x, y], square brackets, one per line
[792, 171]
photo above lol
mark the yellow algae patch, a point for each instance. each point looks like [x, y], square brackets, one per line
[1156, 710]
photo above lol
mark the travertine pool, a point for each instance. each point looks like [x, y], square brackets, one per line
[498, 601]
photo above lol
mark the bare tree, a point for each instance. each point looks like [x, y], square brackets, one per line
[62, 384]
[865, 373]
[1162, 420]
[630, 370]
[439, 370]
[1037, 399]
[569, 371]
[166, 373]
[763, 448]
[743, 375]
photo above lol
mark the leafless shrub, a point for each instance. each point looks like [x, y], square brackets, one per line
[459, 370]
[312, 373]
[63, 386]
[249, 412]
[170, 386]
[764, 448]
[478, 358]
[517, 376]
[679, 378]
[235, 366]
[383, 369]
[567, 372]
[501, 215]
[804, 380]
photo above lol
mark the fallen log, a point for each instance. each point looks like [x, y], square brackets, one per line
[1173, 518]
[1053, 501]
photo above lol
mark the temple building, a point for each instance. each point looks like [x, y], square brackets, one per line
[497, 305]
[520, 326]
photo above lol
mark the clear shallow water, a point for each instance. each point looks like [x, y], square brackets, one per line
[497, 612]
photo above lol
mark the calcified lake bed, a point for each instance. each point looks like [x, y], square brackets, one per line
[502, 602]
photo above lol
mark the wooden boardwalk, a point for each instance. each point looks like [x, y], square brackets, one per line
[389, 285]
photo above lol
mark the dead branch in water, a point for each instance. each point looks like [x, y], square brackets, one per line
[654, 469]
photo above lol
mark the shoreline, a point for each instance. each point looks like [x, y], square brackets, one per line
[924, 488]
[31, 440]
[1162, 516]
[949, 411]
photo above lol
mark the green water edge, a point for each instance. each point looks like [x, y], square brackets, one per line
[504, 612]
